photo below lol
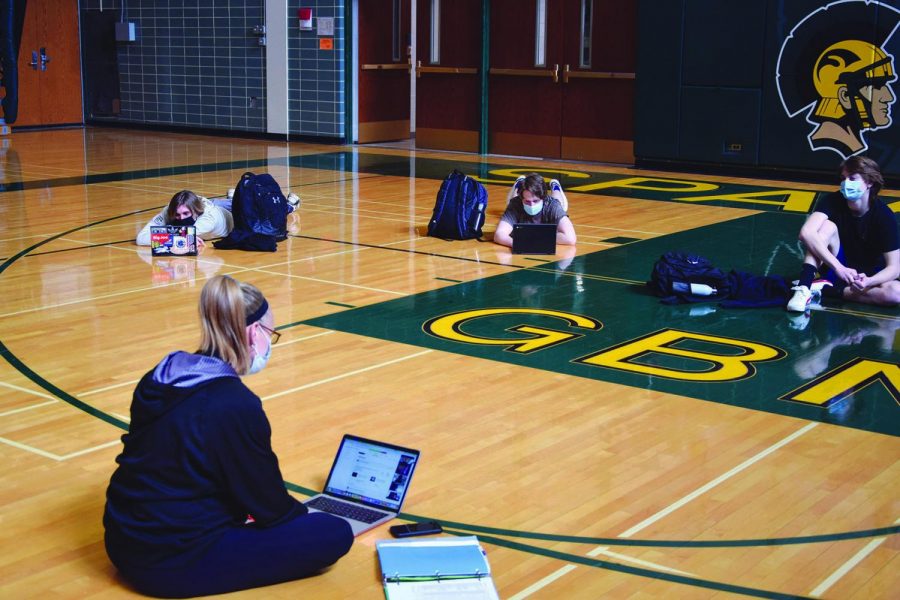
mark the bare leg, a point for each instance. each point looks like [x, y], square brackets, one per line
[886, 294]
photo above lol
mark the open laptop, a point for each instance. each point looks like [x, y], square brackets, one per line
[168, 240]
[367, 483]
[534, 238]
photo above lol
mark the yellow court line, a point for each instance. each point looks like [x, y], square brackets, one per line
[589, 276]
[27, 408]
[675, 506]
[604, 550]
[51, 455]
[345, 375]
[717, 481]
[859, 313]
[848, 566]
[134, 382]
[26, 390]
[317, 280]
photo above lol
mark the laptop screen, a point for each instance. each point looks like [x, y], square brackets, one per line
[371, 472]
[169, 240]
[534, 238]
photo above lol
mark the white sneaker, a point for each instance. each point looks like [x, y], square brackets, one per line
[556, 187]
[800, 300]
[293, 201]
[817, 286]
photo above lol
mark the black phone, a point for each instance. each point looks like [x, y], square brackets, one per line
[424, 528]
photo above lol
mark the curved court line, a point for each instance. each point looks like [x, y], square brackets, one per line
[578, 539]
[17, 364]
[20, 366]
[649, 573]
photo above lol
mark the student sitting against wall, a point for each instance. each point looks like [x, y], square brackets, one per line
[211, 218]
[197, 504]
[531, 200]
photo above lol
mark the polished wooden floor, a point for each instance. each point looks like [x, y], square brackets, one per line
[508, 451]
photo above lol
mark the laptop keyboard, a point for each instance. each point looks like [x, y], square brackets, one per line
[343, 509]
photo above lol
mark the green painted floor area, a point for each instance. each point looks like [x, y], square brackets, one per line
[596, 286]
[690, 189]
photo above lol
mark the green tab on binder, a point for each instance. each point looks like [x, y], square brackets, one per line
[436, 568]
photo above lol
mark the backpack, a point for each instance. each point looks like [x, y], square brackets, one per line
[259, 206]
[459, 209]
[679, 278]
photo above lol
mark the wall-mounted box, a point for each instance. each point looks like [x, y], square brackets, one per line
[126, 32]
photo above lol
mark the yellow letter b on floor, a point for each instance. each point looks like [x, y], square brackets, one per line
[686, 356]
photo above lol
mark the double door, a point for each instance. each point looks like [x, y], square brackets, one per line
[562, 79]
[560, 82]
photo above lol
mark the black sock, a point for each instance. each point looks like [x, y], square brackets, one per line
[807, 274]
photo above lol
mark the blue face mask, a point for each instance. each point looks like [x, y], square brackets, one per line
[853, 191]
[259, 362]
[533, 209]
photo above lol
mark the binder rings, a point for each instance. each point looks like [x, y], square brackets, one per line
[436, 568]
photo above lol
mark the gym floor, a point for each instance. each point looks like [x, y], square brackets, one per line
[597, 442]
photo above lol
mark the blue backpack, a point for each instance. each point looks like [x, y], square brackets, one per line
[679, 278]
[459, 209]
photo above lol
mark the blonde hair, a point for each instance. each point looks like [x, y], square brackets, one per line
[184, 198]
[225, 304]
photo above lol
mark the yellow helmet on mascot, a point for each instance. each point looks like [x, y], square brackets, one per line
[850, 64]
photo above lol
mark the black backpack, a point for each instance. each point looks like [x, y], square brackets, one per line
[459, 209]
[260, 206]
[678, 277]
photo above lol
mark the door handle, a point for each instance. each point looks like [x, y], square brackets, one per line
[445, 70]
[554, 72]
[568, 74]
[44, 59]
[34, 60]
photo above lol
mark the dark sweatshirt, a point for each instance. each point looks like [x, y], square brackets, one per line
[197, 461]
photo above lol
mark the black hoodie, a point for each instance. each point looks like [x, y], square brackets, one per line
[197, 461]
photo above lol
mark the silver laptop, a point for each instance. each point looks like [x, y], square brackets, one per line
[367, 483]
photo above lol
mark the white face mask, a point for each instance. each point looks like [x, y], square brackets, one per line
[853, 191]
[259, 361]
[533, 209]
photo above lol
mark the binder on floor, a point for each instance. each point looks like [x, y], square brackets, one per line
[436, 568]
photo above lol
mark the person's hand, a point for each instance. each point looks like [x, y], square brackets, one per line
[201, 245]
[846, 274]
[860, 282]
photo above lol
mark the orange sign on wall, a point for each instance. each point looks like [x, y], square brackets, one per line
[326, 43]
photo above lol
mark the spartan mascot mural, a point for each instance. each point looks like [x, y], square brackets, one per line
[834, 70]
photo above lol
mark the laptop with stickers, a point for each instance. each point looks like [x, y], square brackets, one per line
[534, 238]
[367, 483]
[169, 240]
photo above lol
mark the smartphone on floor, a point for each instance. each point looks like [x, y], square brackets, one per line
[424, 528]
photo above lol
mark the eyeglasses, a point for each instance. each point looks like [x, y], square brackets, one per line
[275, 335]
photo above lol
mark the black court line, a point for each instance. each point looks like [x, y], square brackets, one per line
[20, 366]
[611, 566]
[18, 186]
[405, 250]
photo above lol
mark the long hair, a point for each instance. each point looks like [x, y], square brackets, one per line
[225, 304]
[865, 167]
[184, 198]
[535, 184]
